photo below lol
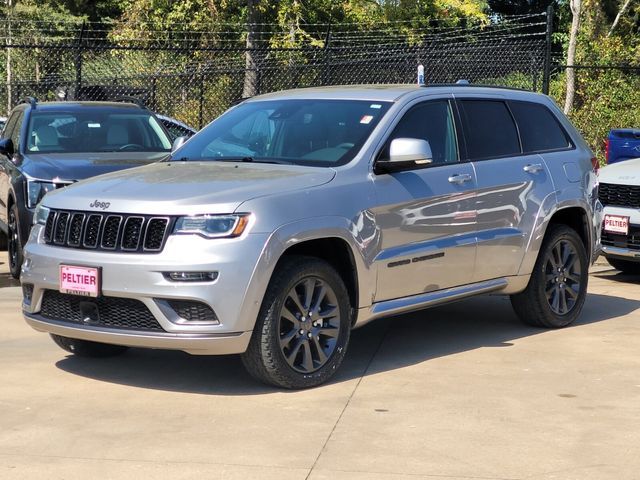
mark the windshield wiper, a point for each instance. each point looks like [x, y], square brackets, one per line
[253, 160]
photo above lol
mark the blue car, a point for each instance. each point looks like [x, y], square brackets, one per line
[622, 144]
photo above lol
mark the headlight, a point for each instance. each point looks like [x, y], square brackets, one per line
[213, 226]
[41, 214]
[37, 190]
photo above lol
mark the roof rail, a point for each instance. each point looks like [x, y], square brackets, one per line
[127, 98]
[33, 101]
[474, 85]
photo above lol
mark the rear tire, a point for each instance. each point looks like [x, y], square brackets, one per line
[558, 285]
[3, 242]
[625, 266]
[302, 331]
[85, 348]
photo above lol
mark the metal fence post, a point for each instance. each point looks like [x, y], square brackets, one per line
[326, 55]
[547, 53]
[201, 105]
[79, 62]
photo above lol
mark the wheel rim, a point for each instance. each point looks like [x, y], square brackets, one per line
[563, 275]
[309, 325]
[12, 246]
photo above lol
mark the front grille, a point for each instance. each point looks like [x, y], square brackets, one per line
[193, 311]
[102, 231]
[619, 195]
[108, 312]
[631, 241]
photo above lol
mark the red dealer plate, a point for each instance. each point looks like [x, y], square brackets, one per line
[83, 281]
[616, 224]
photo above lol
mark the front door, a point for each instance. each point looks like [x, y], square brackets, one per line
[426, 215]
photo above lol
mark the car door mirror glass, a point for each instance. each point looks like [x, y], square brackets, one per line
[6, 147]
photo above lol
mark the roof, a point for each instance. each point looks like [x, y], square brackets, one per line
[387, 93]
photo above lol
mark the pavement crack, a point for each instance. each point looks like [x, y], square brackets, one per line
[355, 388]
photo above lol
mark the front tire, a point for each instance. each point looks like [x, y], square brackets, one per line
[85, 348]
[625, 266]
[558, 285]
[302, 331]
[14, 247]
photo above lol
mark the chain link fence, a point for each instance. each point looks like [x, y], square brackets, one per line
[195, 76]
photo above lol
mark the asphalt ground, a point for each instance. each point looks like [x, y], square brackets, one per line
[462, 391]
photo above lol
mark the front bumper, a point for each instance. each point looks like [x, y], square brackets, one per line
[233, 296]
[195, 344]
[621, 246]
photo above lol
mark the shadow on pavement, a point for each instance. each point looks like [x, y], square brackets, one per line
[618, 276]
[6, 280]
[404, 340]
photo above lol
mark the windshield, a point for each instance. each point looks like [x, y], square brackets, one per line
[302, 132]
[94, 129]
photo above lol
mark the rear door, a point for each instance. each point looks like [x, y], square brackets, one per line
[512, 184]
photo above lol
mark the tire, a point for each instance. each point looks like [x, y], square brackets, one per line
[3, 241]
[85, 348]
[14, 247]
[554, 299]
[625, 266]
[290, 347]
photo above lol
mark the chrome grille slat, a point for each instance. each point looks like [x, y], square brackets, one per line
[107, 231]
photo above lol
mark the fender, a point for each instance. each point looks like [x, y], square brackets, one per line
[300, 231]
[549, 208]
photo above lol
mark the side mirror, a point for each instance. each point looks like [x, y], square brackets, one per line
[178, 142]
[406, 153]
[6, 147]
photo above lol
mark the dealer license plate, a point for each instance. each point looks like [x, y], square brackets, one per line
[83, 281]
[616, 224]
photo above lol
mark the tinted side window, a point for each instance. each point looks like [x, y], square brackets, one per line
[489, 129]
[8, 128]
[15, 134]
[539, 128]
[431, 121]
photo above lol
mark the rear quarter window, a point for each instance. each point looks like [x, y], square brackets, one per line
[489, 129]
[539, 128]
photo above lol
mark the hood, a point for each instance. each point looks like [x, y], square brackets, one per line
[621, 173]
[185, 188]
[78, 166]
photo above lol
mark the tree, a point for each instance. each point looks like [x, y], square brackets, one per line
[576, 6]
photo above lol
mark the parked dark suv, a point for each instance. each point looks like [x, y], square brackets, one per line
[49, 145]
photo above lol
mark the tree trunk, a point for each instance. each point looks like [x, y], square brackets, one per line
[571, 55]
[619, 16]
[251, 67]
[8, 67]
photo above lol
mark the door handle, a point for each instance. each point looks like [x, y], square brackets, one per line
[460, 178]
[533, 168]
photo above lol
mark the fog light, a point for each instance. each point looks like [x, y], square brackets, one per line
[27, 293]
[191, 276]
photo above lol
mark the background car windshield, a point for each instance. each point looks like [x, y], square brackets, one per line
[304, 132]
[95, 130]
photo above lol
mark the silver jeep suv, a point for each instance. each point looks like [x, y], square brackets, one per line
[297, 216]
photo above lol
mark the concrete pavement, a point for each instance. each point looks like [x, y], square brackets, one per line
[462, 391]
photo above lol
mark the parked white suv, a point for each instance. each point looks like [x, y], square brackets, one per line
[299, 215]
[619, 192]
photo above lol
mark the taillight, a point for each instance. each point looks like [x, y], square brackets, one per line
[606, 151]
[595, 164]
